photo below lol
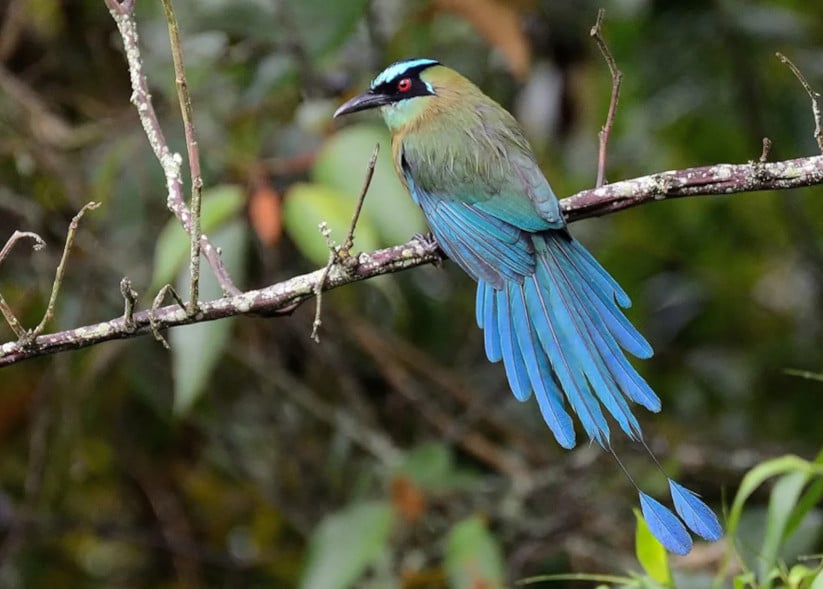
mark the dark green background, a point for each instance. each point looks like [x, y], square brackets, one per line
[104, 484]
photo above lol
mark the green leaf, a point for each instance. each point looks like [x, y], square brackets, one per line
[473, 556]
[798, 575]
[804, 374]
[219, 206]
[196, 349]
[608, 580]
[818, 581]
[432, 467]
[810, 500]
[428, 464]
[341, 164]
[744, 580]
[650, 553]
[783, 499]
[306, 205]
[754, 479]
[346, 543]
[760, 474]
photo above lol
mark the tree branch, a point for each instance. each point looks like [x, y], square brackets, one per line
[193, 150]
[58, 274]
[720, 179]
[617, 77]
[123, 14]
[341, 253]
[813, 96]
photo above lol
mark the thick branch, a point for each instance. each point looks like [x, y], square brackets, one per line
[267, 300]
[720, 179]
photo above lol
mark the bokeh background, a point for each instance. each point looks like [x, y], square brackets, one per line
[392, 453]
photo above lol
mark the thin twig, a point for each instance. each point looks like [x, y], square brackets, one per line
[764, 153]
[17, 236]
[11, 319]
[440, 377]
[5, 309]
[813, 95]
[44, 124]
[123, 15]
[154, 323]
[473, 441]
[13, 28]
[348, 243]
[61, 269]
[129, 298]
[325, 231]
[617, 77]
[371, 440]
[172, 520]
[343, 252]
[193, 152]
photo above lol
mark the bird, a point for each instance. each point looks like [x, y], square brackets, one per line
[548, 310]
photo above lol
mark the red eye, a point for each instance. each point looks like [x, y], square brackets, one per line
[404, 85]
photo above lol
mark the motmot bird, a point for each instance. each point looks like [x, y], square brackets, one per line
[547, 308]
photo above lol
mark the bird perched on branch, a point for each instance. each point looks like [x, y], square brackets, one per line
[548, 310]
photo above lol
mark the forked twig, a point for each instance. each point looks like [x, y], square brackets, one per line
[341, 253]
[813, 95]
[123, 14]
[155, 306]
[617, 77]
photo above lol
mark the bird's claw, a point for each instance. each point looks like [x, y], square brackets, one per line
[428, 241]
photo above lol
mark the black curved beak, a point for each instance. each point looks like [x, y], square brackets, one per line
[364, 101]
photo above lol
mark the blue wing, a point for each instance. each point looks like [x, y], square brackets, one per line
[486, 247]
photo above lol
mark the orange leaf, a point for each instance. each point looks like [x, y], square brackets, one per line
[499, 24]
[408, 499]
[265, 214]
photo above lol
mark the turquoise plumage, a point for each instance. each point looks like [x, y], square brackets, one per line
[548, 310]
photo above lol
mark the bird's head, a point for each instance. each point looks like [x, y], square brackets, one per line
[407, 90]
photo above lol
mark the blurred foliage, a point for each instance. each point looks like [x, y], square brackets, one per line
[392, 455]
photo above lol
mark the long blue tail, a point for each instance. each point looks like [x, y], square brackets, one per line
[561, 335]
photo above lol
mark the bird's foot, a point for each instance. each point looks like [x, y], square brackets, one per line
[429, 242]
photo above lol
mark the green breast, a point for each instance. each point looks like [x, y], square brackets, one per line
[481, 157]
